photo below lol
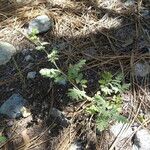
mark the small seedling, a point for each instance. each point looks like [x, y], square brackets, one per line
[106, 104]
[36, 40]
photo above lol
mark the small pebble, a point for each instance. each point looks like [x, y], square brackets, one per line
[142, 69]
[31, 75]
[29, 58]
[60, 117]
[129, 3]
[75, 146]
[24, 51]
[10, 123]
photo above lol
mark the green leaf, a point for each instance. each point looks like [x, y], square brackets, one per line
[115, 89]
[3, 138]
[34, 38]
[34, 32]
[74, 70]
[76, 94]
[120, 118]
[125, 86]
[100, 101]
[83, 83]
[74, 73]
[53, 56]
[51, 73]
[119, 77]
[106, 90]
[92, 110]
[40, 47]
[102, 122]
[107, 76]
[79, 65]
[79, 78]
[54, 74]
[102, 82]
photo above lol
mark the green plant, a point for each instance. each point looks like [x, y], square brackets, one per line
[105, 111]
[2, 139]
[110, 85]
[73, 74]
[105, 105]
[36, 40]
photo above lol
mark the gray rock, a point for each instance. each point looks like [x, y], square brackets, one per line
[31, 75]
[122, 132]
[141, 140]
[145, 12]
[62, 82]
[75, 146]
[28, 58]
[6, 52]
[116, 129]
[60, 117]
[129, 3]
[25, 51]
[142, 69]
[41, 24]
[12, 107]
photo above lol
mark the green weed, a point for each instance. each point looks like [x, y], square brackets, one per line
[106, 104]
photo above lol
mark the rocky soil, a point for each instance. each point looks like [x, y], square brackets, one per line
[112, 35]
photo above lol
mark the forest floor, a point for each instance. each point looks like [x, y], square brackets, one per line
[111, 35]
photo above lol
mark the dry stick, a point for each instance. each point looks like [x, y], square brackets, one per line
[4, 15]
[34, 139]
[136, 115]
[52, 99]
[1, 146]
[13, 130]
[71, 138]
[110, 58]
[113, 48]
[105, 34]
[147, 96]
[99, 64]
[66, 136]
[42, 142]
[19, 71]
